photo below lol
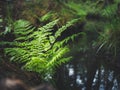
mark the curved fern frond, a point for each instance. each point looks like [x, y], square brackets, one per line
[38, 48]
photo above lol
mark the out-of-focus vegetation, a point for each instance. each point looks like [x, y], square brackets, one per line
[74, 44]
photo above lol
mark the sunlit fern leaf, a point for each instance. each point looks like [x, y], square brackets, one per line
[57, 55]
[45, 17]
[64, 27]
[21, 29]
[37, 48]
[36, 64]
[48, 26]
[63, 60]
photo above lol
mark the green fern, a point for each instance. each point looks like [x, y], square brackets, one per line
[38, 49]
[46, 17]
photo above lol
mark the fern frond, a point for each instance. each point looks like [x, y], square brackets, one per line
[49, 26]
[64, 27]
[38, 64]
[57, 55]
[38, 48]
[46, 17]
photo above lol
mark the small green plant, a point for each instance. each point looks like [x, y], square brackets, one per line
[37, 49]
